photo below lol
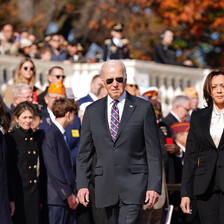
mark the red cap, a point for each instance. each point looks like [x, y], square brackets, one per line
[180, 127]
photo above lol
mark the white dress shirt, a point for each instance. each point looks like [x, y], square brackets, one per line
[51, 114]
[120, 106]
[217, 125]
[117, 42]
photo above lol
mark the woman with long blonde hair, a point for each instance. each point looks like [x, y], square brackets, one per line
[26, 73]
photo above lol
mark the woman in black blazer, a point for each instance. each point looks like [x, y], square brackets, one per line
[203, 171]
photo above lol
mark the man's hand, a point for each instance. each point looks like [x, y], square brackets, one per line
[185, 205]
[72, 202]
[12, 207]
[171, 148]
[151, 197]
[83, 196]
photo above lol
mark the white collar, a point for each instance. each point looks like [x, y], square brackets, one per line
[62, 130]
[121, 99]
[94, 97]
[175, 115]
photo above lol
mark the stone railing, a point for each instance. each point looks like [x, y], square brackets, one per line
[171, 80]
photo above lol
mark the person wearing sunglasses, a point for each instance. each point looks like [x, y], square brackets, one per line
[121, 131]
[26, 73]
[55, 75]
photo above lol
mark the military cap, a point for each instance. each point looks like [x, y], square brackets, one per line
[150, 92]
[180, 127]
[118, 27]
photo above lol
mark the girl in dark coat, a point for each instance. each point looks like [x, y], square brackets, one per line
[24, 160]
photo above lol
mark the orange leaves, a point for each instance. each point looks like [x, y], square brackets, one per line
[93, 25]
[219, 22]
[197, 14]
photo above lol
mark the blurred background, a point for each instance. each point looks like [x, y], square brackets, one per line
[198, 24]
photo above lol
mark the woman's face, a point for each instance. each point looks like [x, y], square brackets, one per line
[27, 70]
[217, 90]
[25, 119]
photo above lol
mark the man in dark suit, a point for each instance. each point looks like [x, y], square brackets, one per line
[121, 129]
[96, 83]
[181, 106]
[61, 187]
[178, 113]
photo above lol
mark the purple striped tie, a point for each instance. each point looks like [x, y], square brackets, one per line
[114, 120]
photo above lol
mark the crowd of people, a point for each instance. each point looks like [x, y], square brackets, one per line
[98, 160]
[55, 47]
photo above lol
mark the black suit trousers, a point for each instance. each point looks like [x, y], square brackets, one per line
[211, 208]
[123, 213]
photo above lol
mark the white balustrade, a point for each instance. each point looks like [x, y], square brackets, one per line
[171, 80]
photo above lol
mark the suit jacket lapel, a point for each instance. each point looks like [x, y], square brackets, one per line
[129, 107]
[104, 115]
[205, 122]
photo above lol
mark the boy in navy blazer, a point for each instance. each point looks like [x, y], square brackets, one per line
[61, 187]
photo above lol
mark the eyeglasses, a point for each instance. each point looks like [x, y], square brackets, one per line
[58, 76]
[118, 79]
[26, 68]
[187, 109]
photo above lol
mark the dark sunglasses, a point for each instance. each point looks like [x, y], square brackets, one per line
[58, 76]
[118, 79]
[31, 68]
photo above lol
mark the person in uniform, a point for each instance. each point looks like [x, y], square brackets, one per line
[116, 47]
[24, 164]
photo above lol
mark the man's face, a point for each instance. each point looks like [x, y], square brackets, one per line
[7, 31]
[194, 102]
[95, 85]
[72, 49]
[168, 38]
[56, 76]
[51, 97]
[115, 74]
[25, 95]
[183, 110]
[55, 42]
[116, 34]
[132, 89]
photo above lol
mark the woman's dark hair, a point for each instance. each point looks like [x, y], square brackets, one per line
[4, 119]
[62, 106]
[19, 109]
[207, 85]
